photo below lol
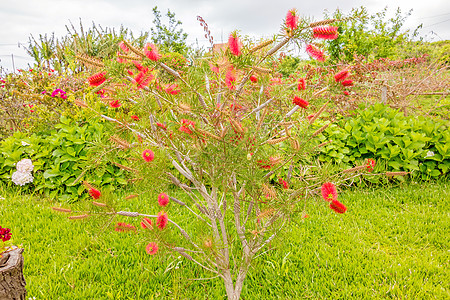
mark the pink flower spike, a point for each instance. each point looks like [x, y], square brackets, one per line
[347, 82]
[123, 47]
[115, 104]
[151, 52]
[301, 84]
[338, 207]
[147, 223]
[163, 199]
[341, 75]
[230, 80]
[162, 220]
[325, 32]
[315, 52]
[148, 155]
[95, 193]
[172, 89]
[300, 102]
[151, 248]
[329, 192]
[185, 126]
[292, 19]
[253, 79]
[134, 117]
[234, 44]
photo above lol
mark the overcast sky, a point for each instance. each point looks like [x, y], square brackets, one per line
[255, 18]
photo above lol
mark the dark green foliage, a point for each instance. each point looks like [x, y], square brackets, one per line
[62, 159]
[415, 144]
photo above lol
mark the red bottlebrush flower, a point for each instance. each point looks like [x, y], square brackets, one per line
[283, 183]
[370, 164]
[120, 60]
[148, 155]
[5, 234]
[123, 47]
[325, 32]
[161, 126]
[329, 192]
[162, 220]
[234, 44]
[214, 68]
[315, 52]
[310, 117]
[130, 72]
[143, 79]
[253, 79]
[338, 207]
[140, 67]
[134, 117]
[151, 248]
[301, 84]
[347, 82]
[114, 104]
[292, 19]
[151, 52]
[172, 89]
[185, 126]
[346, 93]
[147, 223]
[121, 227]
[94, 193]
[163, 199]
[97, 79]
[230, 80]
[341, 75]
[300, 102]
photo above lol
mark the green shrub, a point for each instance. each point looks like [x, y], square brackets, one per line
[414, 144]
[62, 159]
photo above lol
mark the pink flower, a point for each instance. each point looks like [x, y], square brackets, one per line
[292, 19]
[338, 207]
[94, 193]
[253, 79]
[185, 126]
[301, 84]
[230, 80]
[151, 52]
[346, 93]
[143, 79]
[325, 32]
[370, 164]
[162, 220]
[97, 79]
[5, 234]
[341, 75]
[300, 102]
[329, 192]
[134, 117]
[213, 68]
[114, 104]
[123, 47]
[283, 183]
[172, 89]
[234, 44]
[148, 155]
[120, 227]
[315, 52]
[59, 92]
[151, 248]
[147, 223]
[347, 82]
[160, 125]
[163, 199]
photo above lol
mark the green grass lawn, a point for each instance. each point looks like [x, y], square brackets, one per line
[391, 243]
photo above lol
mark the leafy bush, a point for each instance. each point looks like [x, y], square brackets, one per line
[414, 144]
[62, 158]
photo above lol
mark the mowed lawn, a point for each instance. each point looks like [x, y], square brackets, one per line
[392, 243]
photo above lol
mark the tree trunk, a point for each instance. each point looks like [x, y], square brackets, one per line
[12, 282]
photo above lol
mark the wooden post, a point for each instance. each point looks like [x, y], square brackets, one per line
[12, 282]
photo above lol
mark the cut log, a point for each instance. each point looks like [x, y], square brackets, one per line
[12, 282]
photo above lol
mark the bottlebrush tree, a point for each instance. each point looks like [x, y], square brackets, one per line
[220, 130]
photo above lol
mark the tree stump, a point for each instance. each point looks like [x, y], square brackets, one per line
[12, 282]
